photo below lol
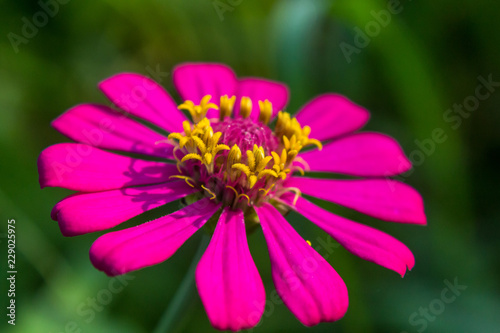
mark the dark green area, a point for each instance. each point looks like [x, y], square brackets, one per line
[412, 70]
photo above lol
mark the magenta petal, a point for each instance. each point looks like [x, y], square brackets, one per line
[306, 282]
[81, 167]
[144, 98]
[89, 212]
[386, 199]
[259, 90]
[229, 284]
[103, 127]
[195, 80]
[366, 242]
[122, 251]
[332, 115]
[360, 154]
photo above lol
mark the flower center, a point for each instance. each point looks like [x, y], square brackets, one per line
[246, 133]
[238, 161]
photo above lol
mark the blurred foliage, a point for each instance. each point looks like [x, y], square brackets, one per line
[415, 68]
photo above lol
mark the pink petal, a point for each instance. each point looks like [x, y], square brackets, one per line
[103, 127]
[259, 90]
[366, 242]
[386, 199]
[332, 115]
[229, 284]
[195, 80]
[360, 154]
[81, 167]
[144, 98]
[306, 282]
[122, 251]
[89, 212]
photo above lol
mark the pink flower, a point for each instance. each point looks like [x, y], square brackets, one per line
[238, 171]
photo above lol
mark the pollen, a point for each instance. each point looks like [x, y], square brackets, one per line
[239, 161]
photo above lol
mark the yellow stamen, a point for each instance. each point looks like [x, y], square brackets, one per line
[199, 143]
[186, 179]
[202, 126]
[315, 142]
[255, 170]
[267, 172]
[291, 155]
[280, 164]
[308, 242]
[238, 196]
[232, 188]
[182, 139]
[212, 193]
[174, 153]
[282, 124]
[245, 107]
[243, 168]
[251, 160]
[208, 147]
[303, 162]
[192, 157]
[244, 195]
[266, 191]
[226, 106]
[233, 158]
[296, 167]
[266, 110]
[189, 134]
[198, 112]
[263, 163]
[252, 180]
[298, 193]
[293, 135]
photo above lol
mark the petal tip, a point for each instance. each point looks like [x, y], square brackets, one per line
[101, 264]
[65, 231]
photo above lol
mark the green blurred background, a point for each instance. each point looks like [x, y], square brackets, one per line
[410, 72]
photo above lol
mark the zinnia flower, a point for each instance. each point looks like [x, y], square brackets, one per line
[240, 161]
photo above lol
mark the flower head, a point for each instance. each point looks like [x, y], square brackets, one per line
[240, 159]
